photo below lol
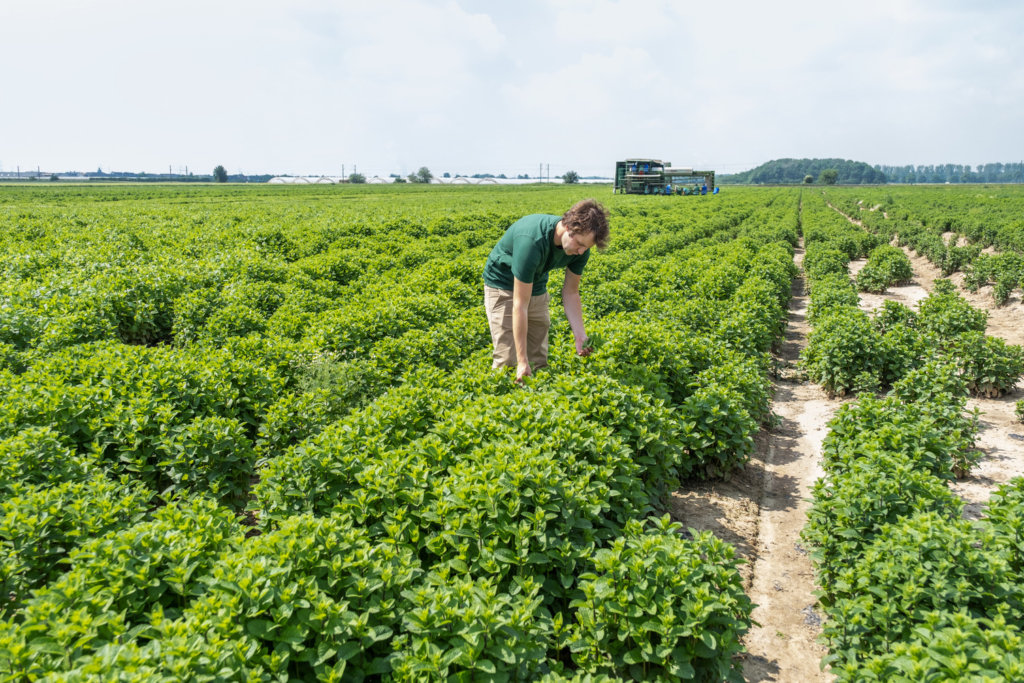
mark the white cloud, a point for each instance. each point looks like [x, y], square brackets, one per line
[616, 23]
[469, 85]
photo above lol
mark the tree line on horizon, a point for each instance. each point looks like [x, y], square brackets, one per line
[797, 171]
[955, 173]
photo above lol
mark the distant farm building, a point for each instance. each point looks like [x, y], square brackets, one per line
[457, 180]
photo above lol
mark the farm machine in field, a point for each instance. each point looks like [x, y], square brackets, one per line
[653, 176]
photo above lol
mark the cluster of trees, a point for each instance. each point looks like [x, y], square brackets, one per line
[844, 172]
[421, 176]
[827, 177]
[955, 173]
[795, 171]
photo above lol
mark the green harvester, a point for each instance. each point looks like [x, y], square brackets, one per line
[653, 176]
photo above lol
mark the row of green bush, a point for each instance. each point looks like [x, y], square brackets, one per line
[850, 350]
[1005, 272]
[303, 469]
[951, 227]
[887, 266]
[911, 590]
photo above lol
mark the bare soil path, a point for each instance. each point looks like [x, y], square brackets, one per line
[762, 510]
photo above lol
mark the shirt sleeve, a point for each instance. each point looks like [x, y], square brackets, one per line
[526, 257]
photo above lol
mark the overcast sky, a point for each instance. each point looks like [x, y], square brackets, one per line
[468, 86]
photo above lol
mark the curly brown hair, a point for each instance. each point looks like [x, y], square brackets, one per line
[589, 217]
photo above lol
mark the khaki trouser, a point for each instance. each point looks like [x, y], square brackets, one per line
[499, 316]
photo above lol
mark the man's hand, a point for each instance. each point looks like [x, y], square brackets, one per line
[583, 347]
[522, 370]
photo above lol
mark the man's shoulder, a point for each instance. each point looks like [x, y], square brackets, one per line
[536, 224]
[538, 219]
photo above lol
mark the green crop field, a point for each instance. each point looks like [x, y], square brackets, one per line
[251, 433]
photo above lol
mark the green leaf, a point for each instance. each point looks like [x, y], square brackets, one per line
[348, 650]
[293, 634]
[505, 556]
[504, 653]
[260, 627]
[324, 651]
[485, 665]
[47, 645]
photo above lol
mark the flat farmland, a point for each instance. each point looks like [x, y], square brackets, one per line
[251, 433]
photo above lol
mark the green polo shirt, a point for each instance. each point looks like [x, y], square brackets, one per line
[527, 252]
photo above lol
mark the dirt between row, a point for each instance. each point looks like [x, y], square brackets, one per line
[762, 509]
[1000, 435]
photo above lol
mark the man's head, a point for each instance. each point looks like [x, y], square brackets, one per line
[588, 217]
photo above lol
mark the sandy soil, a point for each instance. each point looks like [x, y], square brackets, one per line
[762, 509]
[908, 295]
[961, 241]
[1001, 436]
[1001, 440]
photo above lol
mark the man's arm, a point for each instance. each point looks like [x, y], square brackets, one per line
[574, 311]
[522, 292]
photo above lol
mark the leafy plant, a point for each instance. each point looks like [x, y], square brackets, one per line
[850, 510]
[1005, 518]
[659, 607]
[843, 350]
[894, 313]
[825, 261]
[926, 562]
[40, 525]
[458, 627]
[989, 366]
[946, 315]
[886, 266]
[948, 646]
[829, 293]
[211, 454]
[115, 580]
